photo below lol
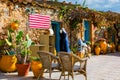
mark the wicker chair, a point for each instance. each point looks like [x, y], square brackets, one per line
[68, 64]
[46, 59]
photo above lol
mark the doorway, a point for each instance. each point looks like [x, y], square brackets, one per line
[56, 29]
[87, 30]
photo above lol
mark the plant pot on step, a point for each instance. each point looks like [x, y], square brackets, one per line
[23, 53]
[36, 67]
[7, 63]
[103, 46]
[97, 50]
[23, 69]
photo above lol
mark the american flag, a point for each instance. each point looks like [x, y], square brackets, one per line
[39, 21]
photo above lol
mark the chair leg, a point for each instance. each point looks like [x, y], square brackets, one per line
[64, 75]
[40, 74]
[38, 77]
[50, 74]
[68, 75]
[72, 76]
[85, 76]
[61, 75]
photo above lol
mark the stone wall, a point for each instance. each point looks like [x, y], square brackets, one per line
[14, 11]
[10, 11]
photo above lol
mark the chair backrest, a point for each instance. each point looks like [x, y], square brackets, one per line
[45, 59]
[66, 61]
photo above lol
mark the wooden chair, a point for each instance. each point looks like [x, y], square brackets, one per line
[68, 64]
[46, 60]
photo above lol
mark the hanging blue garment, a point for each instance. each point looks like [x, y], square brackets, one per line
[64, 42]
[81, 45]
[67, 44]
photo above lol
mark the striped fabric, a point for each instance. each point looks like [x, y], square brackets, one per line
[39, 21]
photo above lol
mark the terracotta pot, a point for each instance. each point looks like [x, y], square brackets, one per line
[80, 54]
[112, 47]
[109, 48]
[36, 67]
[97, 50]
[103, 47]
[7, 63]
[23, 69]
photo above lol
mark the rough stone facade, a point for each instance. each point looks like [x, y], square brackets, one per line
[10, 11]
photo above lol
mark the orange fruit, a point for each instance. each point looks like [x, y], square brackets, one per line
[14, 26]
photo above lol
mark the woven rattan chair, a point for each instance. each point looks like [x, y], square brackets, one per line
[68, 64]
[46, 59]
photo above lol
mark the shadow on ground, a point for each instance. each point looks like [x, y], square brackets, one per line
[114, 54]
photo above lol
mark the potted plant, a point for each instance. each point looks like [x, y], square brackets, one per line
[7, 51]
[7, 59]
[103, 45]
[36, 67]
[23, 52]
[97, 48]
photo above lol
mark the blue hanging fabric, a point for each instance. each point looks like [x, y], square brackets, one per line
[81, 45]
[64, 42]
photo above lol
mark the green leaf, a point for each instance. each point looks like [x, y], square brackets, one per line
[29, 41]
[6, 51]
[84, 3]
[19, 37]
[8, 42]
[35, 58]
[9, 36]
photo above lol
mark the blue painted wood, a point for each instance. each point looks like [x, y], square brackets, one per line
[56, 29]
[87, 31]
[113, 38]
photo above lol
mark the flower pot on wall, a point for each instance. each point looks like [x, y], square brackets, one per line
[7, 63]
[36, 67]
[23, 69]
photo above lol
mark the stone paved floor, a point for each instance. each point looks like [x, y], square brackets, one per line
[102, 67]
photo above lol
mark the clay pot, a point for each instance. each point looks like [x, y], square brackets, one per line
[103, 47]
[7, 63]
[113, 47]
[36, 67]
[23, 69]
[97, 50]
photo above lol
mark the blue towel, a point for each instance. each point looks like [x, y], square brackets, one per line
[81, 45]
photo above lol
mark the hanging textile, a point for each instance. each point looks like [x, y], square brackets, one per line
[64, 42]
[39, 21]
[81, 45]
